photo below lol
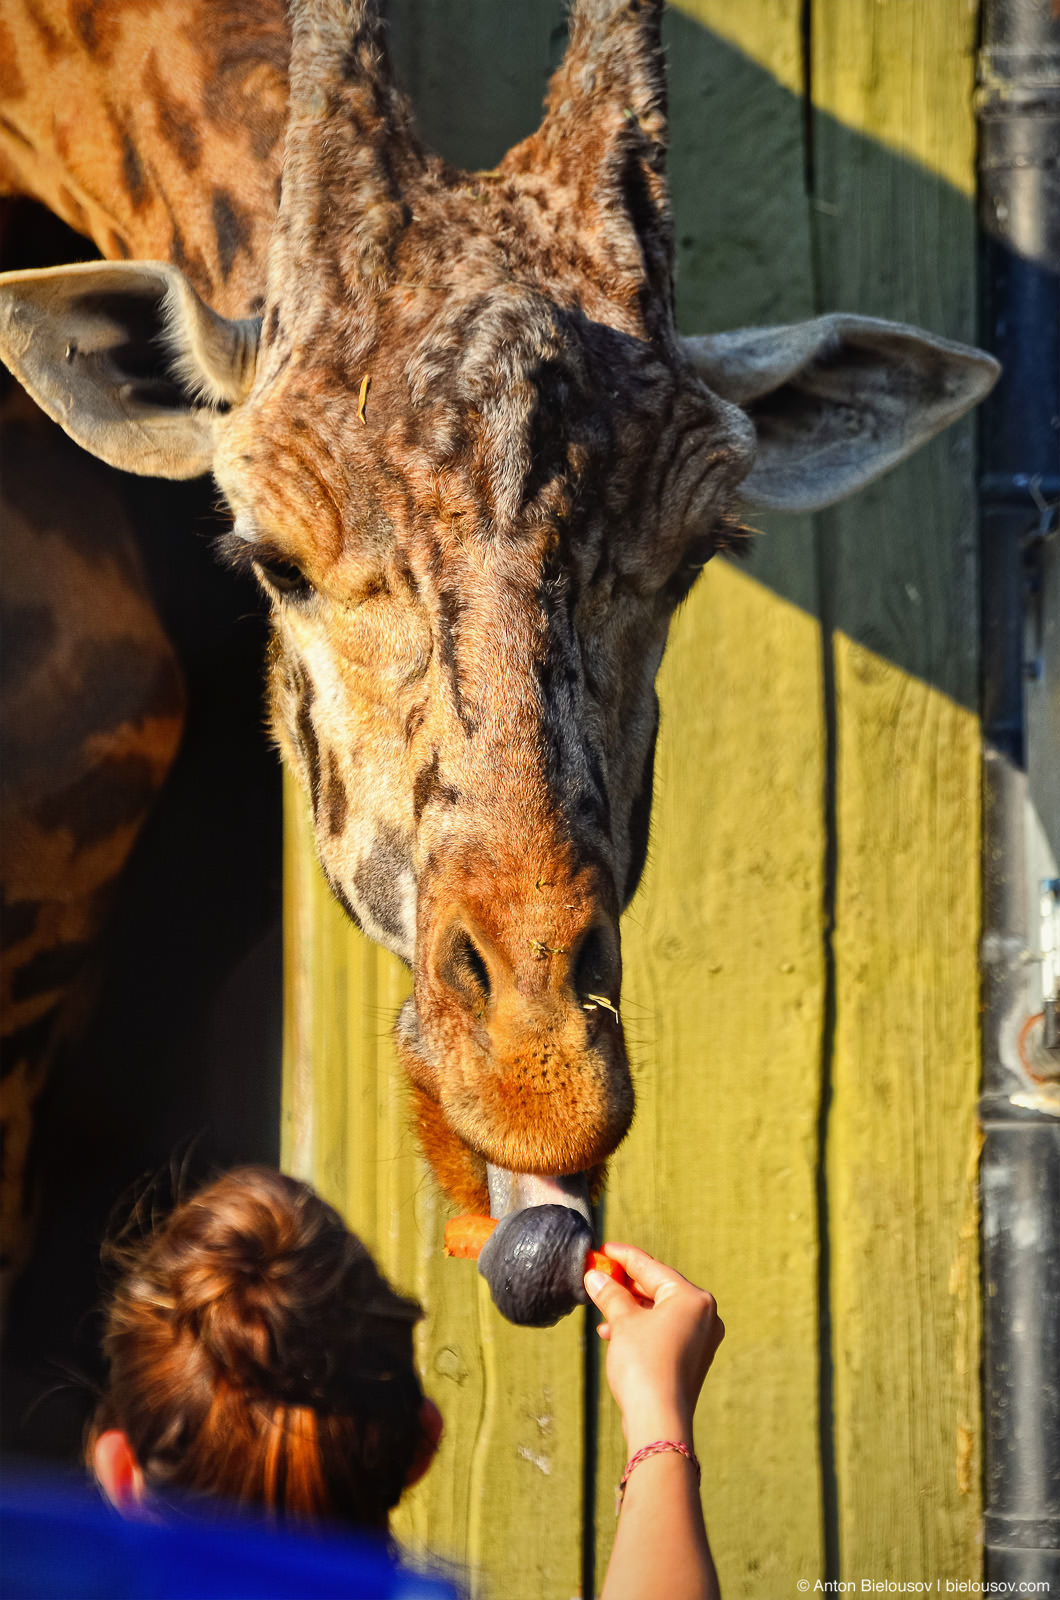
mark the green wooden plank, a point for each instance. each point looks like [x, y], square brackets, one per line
[895, 237]
[723, 999]
[477, 71]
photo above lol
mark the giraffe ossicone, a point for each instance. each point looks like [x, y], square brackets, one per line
[476, 468]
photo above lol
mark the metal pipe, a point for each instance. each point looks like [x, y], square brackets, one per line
[1019, 202]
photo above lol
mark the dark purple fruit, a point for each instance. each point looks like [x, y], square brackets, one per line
[534, 1263]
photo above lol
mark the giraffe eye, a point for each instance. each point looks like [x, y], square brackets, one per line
[285, 577]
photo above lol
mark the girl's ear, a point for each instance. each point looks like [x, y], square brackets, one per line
[431, 1426]
[118, 1471]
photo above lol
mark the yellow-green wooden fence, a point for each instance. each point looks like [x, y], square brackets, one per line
[801, 991]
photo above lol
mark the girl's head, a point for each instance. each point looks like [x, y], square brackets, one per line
[257, 1354]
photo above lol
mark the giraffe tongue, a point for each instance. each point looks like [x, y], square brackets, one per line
[535, 1258]
[514, 1191]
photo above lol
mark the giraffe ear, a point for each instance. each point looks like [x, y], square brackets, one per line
[128, 359]
[837, 401]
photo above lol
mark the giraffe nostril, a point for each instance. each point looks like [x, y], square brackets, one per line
[595, 967]
[465, 971]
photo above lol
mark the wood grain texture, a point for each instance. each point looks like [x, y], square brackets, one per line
[736, 166]
[766, 33]
[723, 1002]
[895, 237]
[902, 1134]
[902, 73]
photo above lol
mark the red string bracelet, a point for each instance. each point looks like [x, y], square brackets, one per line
[660, 1447]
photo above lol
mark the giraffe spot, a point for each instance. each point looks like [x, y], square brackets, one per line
[19, 919]
[49, 969]
[378, 882]
[307, 739]
[424, 786]
[113, 688]
[640, 821]
[190, 263]
[174, 120]
[429, 787]
[334, 801]
[415, 720]
[12, 134]
[53, 42]
[132, 171]
[178, 250]
[406, 574]
[177, 128]
[266, 133]
[28, 1044]
[163, 694]
[450, 609]
[111, 796]
[83, 19]
[246, 83]
[12, 83]
[230, 229]
[29, 633]
[44, 477]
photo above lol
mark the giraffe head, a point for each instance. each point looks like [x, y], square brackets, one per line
[476, 469]
[476, 473]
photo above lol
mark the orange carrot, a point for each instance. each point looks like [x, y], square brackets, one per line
[465, 1237]
[602, 1263]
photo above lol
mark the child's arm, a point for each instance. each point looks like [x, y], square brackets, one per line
[661, 1337]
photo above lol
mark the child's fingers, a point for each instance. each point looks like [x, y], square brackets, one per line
[649, 1274]
[610, 1297]
[604, 1330]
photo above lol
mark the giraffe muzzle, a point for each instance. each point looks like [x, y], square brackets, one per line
[518, 1037]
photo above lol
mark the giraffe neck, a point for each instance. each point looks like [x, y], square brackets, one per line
[155, 127]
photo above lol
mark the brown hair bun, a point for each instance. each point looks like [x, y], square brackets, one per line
[257, 1352]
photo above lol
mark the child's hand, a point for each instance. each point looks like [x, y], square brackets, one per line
[662, 1338]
